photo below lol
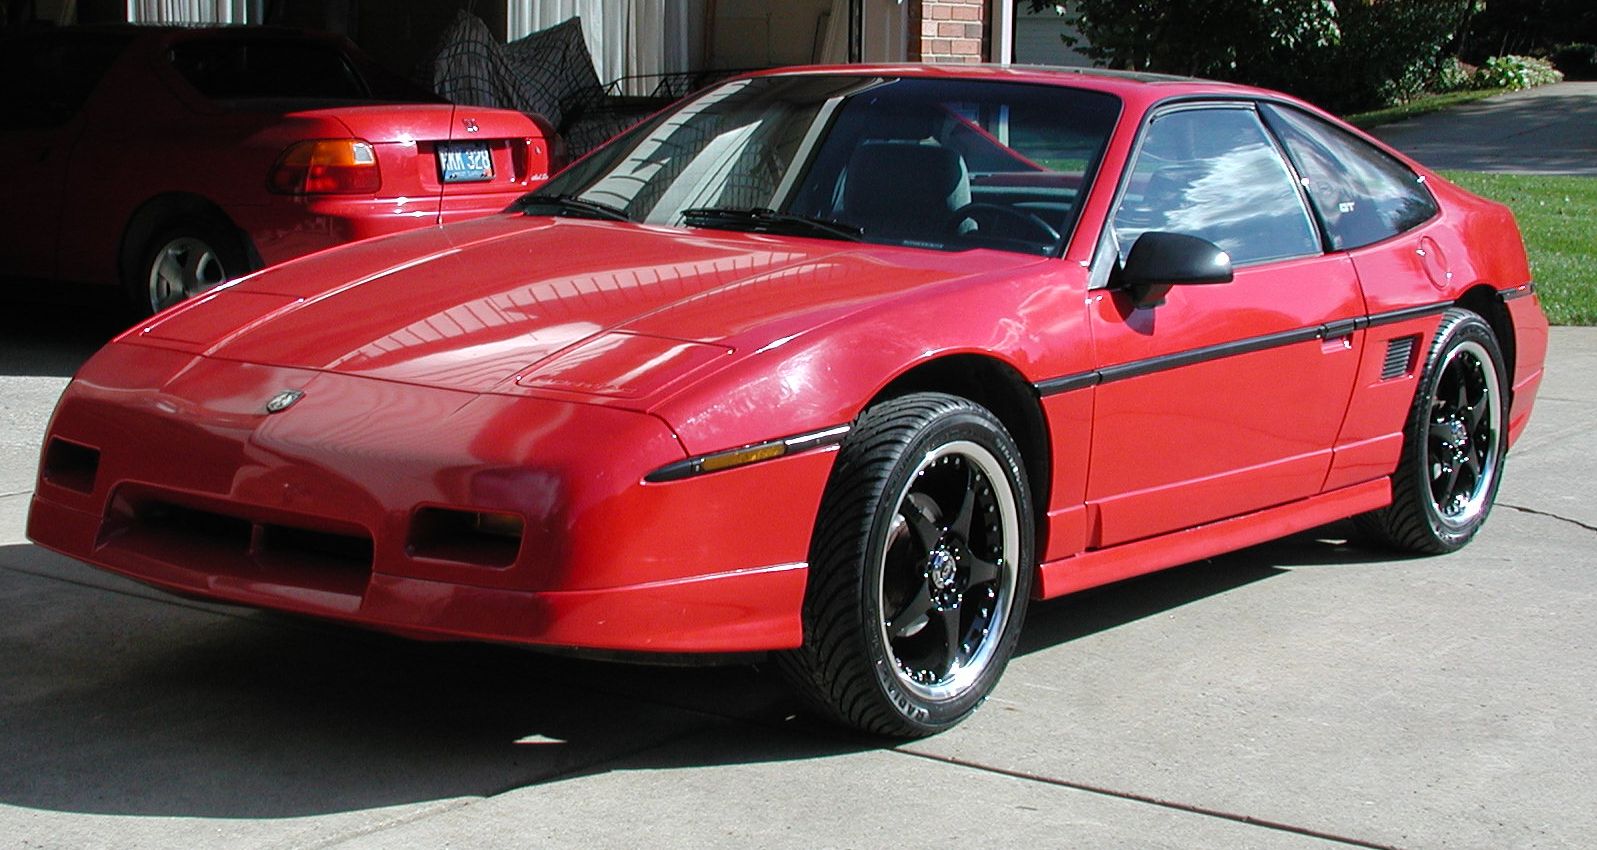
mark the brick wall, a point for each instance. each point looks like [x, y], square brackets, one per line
[948, 31]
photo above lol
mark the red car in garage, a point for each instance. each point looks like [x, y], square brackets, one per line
[844, 364]
[167, 160]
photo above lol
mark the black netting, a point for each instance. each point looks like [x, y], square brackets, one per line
[550, 73]
[469, 67]
[555, 68]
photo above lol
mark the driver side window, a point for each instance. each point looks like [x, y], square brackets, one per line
[1213, 173]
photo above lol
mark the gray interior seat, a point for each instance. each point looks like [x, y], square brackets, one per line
[903, 190]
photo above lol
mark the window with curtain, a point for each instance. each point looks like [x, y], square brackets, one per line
[626, 38]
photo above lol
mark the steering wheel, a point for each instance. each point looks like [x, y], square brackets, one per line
[1034, 225]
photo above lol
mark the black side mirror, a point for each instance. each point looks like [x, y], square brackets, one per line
[1160, 260]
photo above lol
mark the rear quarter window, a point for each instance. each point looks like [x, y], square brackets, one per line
[242, 69]
[44, 82]
[1362, 194]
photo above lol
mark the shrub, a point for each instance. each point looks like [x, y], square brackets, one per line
[1577, 61]
[1527, 27]
[1515, 72]
[1454, 75]
[1390, 52]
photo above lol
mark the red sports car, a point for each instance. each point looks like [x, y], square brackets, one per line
[845, 364]
[168, 160]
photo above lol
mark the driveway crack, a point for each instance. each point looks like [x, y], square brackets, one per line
[1153, 801]
[381, 826]
[1549, 514]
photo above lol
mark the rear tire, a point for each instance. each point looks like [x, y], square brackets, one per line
[1454, 444]
[183, 259]
[920, 569]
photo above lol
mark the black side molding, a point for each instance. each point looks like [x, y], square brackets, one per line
[1330, 330]
[1517, 292]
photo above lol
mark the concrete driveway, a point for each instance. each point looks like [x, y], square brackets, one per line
[1303, 693]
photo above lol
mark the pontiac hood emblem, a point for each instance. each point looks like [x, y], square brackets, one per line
[283, 401]
[471, 124]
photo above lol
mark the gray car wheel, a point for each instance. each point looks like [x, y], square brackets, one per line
[182, 261]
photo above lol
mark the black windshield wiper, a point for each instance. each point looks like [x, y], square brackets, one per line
[762, 220]
[573, 205]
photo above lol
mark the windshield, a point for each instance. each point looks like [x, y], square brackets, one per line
[931, 163]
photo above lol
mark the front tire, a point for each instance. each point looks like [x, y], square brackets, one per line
[1454, 443]
[920, 568]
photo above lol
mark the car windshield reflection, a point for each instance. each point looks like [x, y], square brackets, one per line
[929, 163]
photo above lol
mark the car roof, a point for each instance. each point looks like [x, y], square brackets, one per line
[1131, 86]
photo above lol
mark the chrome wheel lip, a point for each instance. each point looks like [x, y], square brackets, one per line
[182, 268]
[959, 680]
[1478, 498]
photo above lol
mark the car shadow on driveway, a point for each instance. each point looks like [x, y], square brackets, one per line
[121, 700]
[1059, 621]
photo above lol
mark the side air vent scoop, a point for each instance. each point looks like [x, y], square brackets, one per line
[1399, 357]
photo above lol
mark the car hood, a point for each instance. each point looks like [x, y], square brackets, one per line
[480, 305]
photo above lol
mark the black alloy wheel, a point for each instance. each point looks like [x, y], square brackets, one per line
[920, 569]
[1454, 443]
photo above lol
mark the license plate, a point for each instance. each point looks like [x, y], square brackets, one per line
[465, 162]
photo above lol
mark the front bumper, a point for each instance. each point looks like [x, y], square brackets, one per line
[737, 611]
[194, 488]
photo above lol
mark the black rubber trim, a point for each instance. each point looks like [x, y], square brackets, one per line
[1517, 292]
[1392, 317]
[796, 444]
[1137, 368]
[1343, 327]
[1055, 386]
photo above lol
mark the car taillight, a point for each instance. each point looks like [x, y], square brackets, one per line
[327, 167]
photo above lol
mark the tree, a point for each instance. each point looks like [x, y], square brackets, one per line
[1357, 54]
[1529, 26]
[1212, 39]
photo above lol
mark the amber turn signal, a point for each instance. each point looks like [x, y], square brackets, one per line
[327, 167]
[739, 457]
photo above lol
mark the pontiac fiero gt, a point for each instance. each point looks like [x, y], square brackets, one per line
[844, 364]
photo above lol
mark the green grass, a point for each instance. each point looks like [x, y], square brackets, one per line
[1417, 106]
[1558, 218]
